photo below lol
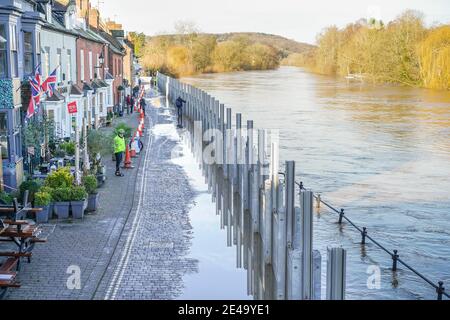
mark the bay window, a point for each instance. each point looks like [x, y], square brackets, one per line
[3, 52]
[28, 63]
[14, 62]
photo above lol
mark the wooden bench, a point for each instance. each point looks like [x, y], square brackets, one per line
[7, 276]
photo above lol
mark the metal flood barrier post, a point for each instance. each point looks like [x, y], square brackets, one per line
[336, 269]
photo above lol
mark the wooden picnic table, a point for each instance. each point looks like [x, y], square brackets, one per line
[18, 230]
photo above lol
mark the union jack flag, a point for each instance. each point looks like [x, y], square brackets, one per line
[49, 85]
[35, 84]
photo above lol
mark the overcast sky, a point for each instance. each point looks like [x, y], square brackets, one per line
[300, 20]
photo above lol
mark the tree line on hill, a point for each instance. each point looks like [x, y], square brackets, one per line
[403, 52]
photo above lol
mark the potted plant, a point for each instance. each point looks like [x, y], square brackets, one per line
[62, 197]
[51, 206]
[42, 200]
[32, 186]
[90, 184]
[78, 201]
[61, 178]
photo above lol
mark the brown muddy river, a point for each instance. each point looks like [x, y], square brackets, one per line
[380, 152]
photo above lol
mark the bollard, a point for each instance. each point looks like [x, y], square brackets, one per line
[364, 235]
[336, 269]
[341, 216]
[395, 257]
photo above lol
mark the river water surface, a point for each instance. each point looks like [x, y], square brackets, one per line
[380, 152]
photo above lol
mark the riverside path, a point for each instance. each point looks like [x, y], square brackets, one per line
[136, 245]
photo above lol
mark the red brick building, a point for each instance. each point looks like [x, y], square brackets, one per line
[116, 53]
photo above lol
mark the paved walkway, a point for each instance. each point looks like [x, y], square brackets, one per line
[135, 246]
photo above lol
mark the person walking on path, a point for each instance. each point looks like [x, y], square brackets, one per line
[119, 150]
[179, 104]
[132, 101]
[143, 105]
[128, 103]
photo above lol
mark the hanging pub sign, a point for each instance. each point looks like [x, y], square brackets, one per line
[72, 107]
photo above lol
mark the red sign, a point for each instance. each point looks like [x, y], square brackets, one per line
[72, 106]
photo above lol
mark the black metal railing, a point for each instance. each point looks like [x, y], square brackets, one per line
[440, 290]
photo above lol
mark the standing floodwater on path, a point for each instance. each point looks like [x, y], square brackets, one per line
[217, 277]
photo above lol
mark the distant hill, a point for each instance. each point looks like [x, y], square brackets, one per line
[195, 53]
[279, 42]
[285, 45]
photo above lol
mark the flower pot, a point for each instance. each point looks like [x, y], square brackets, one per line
[101, 180]
[62, 209]
[92, 203]
[42, 217]
[78, 208]
[51, 209]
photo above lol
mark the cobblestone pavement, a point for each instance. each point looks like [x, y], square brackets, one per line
[135, 246]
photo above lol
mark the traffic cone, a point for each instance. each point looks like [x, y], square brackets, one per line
[128, 163]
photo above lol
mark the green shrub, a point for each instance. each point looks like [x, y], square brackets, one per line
[126, 128]
[42, 199]
[90, 183]
[61, 194]
[62, 178]
[6, 198]
[46, 189]
[69, 148]
[98, 143]
[32, 186]
[78, 194]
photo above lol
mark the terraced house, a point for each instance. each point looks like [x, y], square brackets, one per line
[113, 55]
[20, 33]
[67, 38]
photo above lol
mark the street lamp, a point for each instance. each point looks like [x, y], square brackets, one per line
[101, 61]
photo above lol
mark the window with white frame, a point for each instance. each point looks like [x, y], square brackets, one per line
[98, 67]
[91, 66]
[59, 65]
[3, 53]
[28, 63]
[101, 102]
[46, 63]
[82, 65]
[69, 65]
[14, 62]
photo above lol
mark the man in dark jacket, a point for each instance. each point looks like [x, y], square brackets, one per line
[179, 104]
[143, 105]
[132, 101]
